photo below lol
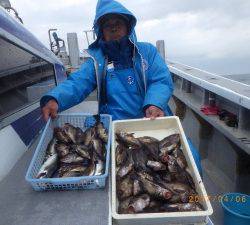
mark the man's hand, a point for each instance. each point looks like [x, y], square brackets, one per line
[152, 112]
[50, 109]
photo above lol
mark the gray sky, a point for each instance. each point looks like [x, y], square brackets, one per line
[213, 35]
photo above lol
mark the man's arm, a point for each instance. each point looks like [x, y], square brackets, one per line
[70, 92]
[159, 84]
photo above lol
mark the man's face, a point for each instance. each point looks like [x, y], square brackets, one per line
[114, 29]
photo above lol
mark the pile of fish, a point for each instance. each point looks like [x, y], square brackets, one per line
[152, 176]
[73, 152]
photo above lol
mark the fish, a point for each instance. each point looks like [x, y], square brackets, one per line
[138, 204]
[189, 177]
[171, 164]
[48, 167]
[70, 131]
[89, 134]
[61, 136]
[99, 167]
[98, 147]
[79, 136]
[123, 205]
[180, 159]
[62, 149]
[71, 170]
[155, 189]
[180, 198]
[145, 175]
[77, 168]
[181, 192]
[156, 170]
[126, 168]
[182, 207]
[156, 166]
[51, 150]
[101, 132]
[184, 176]
[72, 158]
[78, 152]
[148, 140]
[128, 139]
[139, 159]
[164, 157]
[100, 129]
[82, 151]
[168, 149]
[63, 168]
[167, 177]
[137, 187]
[178, 187]
[153, 207]
[121, 155]
[90, 171]
[151, 144]
[173, 139]
[152, 150]
[125, 188]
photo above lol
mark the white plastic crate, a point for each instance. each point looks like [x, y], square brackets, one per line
[159, 128]
[84, 182]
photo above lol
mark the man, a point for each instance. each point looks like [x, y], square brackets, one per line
[131, 78]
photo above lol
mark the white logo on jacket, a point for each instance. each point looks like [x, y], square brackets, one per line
[130, 80]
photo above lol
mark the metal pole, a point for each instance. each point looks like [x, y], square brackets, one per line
[73, 47]
[160, 45]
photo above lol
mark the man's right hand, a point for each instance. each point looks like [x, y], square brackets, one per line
[50, 109]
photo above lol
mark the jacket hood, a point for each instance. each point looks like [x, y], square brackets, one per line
[104, 7]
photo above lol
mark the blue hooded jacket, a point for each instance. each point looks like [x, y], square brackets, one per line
[153, 77]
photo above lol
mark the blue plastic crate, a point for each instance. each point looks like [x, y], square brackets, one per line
[72, 183]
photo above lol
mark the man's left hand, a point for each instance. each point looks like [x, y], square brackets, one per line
[152, 112]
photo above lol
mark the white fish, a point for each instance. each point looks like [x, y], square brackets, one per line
[99, 168]
[48, 167]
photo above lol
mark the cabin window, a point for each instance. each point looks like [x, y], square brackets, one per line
[24, 78]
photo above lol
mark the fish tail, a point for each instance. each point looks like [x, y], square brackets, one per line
[97, 117]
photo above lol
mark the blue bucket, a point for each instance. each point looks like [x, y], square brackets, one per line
[236, 209]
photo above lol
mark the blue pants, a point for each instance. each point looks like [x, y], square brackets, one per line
[196, 156]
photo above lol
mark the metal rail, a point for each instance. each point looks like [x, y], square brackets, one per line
[234, 91]
[197, 88]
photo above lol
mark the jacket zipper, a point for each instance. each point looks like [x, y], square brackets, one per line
[143, 71]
